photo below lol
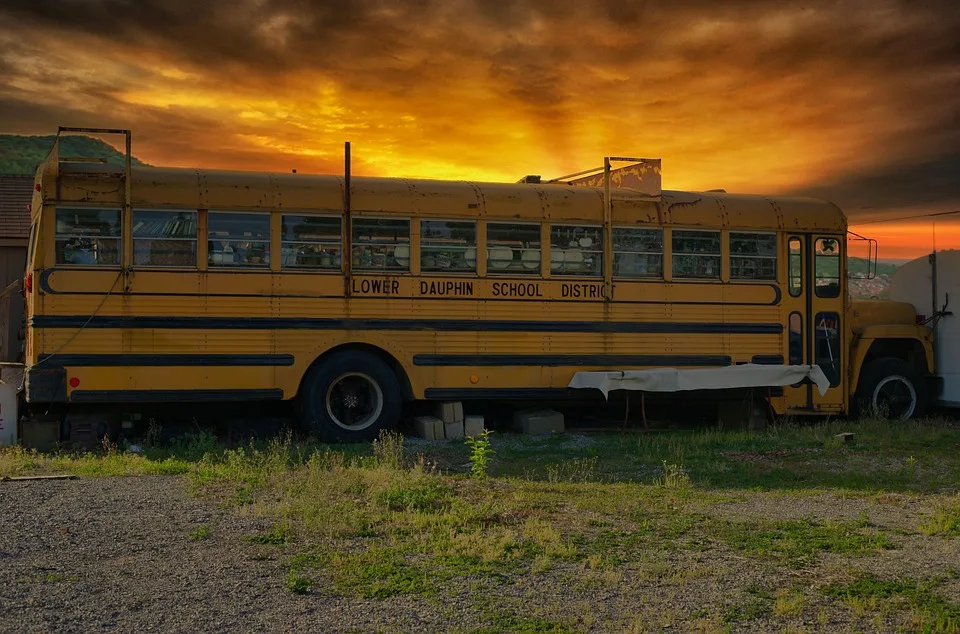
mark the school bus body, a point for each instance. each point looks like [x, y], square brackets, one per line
[127, 333]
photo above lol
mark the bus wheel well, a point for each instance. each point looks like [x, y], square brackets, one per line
[385, 356]
[910, 350]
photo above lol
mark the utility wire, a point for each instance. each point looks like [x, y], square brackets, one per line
[930, 215]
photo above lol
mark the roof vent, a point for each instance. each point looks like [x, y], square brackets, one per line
[534, 179]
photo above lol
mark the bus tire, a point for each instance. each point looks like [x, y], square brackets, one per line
[891, 389]
[351, 396]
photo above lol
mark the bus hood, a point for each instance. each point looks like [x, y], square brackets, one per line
[875, 312]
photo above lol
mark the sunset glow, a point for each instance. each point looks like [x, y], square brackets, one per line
[855, 102]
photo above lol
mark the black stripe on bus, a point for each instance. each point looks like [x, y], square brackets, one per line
[767, 359]
[568, 360]
[163, 360]
[168, 396]
[519, 394]
[461, 325]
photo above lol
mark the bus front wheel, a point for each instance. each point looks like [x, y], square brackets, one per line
[891, 389]
[350, 397]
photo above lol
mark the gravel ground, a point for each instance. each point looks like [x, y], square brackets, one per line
[115, 554]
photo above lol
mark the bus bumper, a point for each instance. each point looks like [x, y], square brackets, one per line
[45, 385]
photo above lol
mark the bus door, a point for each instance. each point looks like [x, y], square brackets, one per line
[815, 317]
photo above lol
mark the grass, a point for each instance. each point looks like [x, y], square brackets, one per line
[599, 514]
[927, 610]
[945, 520]
[201, 533]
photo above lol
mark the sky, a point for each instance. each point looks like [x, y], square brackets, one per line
[857, 101]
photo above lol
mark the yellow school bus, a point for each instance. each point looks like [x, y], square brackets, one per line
[353, 295]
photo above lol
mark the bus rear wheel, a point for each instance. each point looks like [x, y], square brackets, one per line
[891, 389]
[351, 396]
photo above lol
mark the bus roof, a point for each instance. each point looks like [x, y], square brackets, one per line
[153, 187]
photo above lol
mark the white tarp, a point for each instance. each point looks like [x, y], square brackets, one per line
[675, 380]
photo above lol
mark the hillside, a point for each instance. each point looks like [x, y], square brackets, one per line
[21, 154]
[876, 287]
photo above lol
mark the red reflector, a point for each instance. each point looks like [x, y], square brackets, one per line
[28, 283]
[37, 187]
[74, 381]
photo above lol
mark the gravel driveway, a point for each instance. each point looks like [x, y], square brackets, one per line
[116, 554]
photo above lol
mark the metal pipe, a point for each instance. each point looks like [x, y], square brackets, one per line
[347, 252]
[935, 308]
[607, 233]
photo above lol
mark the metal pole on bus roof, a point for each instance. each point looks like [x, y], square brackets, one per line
[346, 255]
[607, 235]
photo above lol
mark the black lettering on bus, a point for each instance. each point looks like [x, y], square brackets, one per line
[586, 290]
[376, 287]
[514, 289]
[449, 287]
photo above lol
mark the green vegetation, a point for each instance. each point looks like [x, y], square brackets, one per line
[928, 611]
[200, 533]
[22, 154]
[860, 267]
[563, 527]
[481, 451]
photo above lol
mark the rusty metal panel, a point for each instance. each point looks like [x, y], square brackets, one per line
[643, 176]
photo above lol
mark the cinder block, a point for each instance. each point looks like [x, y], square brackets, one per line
[453, 431]
[429, 427]
[450, 412]
[473, 425]
[540, 422]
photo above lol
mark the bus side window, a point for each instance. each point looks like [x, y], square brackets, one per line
[795, 272]
[381, 244]
[448, 246]
[828, 268]
[637, 252]
[88, 236]
[696, 254]
[796, 339]
[827, 346]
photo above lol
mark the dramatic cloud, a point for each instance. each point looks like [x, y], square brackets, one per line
[856, 101]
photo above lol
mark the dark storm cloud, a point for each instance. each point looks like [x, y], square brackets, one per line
[899, 185]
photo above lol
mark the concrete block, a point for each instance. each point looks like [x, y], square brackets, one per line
[429, 427]
[845, 437]
[473, 425]
[453, 431]
[540, 422]
[450, 412]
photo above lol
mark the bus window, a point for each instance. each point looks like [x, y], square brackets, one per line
[795, 268]
[311, 242]
[827, 345]
[381, 244]
[513, 248]
[753, 256]
[576, 250]
[828, 268]
[448, 246]
[238, 238]
[696, 254]
[796, 339]
[637, 252]
[164, 238]
[88, 236]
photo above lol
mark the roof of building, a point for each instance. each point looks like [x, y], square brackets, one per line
[16, 193]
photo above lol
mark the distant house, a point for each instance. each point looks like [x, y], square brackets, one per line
[16, 192]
